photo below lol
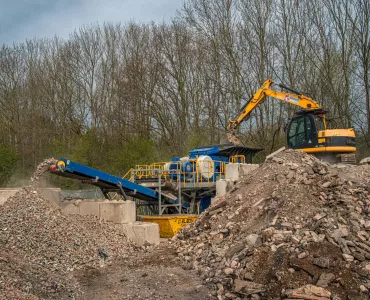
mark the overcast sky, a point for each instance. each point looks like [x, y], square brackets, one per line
[26, 19]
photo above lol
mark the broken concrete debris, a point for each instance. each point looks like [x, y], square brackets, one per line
[294, 228]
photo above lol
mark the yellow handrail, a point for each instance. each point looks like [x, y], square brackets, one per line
[127, 174]
[236, 158]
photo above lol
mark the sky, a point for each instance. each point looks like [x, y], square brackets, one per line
[28, 19]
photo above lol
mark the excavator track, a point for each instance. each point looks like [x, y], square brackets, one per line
[348, 158]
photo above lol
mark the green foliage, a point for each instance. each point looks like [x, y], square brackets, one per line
[8, 161]
[136, 151]
[86, 149]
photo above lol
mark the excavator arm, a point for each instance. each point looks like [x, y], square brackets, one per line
[264, 91]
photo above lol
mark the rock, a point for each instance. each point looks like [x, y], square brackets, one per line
[365, 161]
[367, 225]
[286, 225]
[298, 264]
[326, 184]
[302, 255]
[248, 287]
[319, 216]
[325, 279]
[363, 289]
[215, 211]
[321, 262]
[229, 295]
[254, 240]
[248, 276]
[348, 257]
[218, 205]
[310, 290]
[234, 250]
[229, 271]
[268, 233]
[290, 175]
[281, 178]
[278, 160]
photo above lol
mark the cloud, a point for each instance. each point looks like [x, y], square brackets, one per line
[28, 19]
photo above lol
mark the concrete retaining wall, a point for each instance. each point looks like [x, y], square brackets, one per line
[119, 212]
[52, 194]
[6, 193]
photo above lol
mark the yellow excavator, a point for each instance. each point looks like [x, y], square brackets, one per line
[306, 130]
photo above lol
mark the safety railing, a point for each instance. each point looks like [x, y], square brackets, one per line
[192, 171]
[237, 159]
[203, 173]
[128, 175]
[149, 171]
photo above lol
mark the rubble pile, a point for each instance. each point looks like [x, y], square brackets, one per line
[295, 228]
[41, 247]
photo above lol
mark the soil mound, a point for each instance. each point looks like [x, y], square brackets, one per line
[295, 228]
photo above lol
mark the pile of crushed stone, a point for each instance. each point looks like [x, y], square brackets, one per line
[41, 248]
[295, 228]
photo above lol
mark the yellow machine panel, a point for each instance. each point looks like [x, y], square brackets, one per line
[169, 225]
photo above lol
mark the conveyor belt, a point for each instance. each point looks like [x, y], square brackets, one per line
[106, 182]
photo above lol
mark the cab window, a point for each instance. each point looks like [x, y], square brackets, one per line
[319, 122]
[300, 132]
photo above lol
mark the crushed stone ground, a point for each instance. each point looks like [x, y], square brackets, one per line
[41, 247]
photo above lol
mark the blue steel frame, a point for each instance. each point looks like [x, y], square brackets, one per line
[102, 179]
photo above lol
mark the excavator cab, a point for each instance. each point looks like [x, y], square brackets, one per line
[303, 129]
[307, 131]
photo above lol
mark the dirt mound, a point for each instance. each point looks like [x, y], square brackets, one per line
[41, 247]
[295, 228]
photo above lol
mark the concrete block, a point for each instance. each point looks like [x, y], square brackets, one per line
[276, 152]
[52, 194]
[235, 171]
[70, 207]
[221, 187]
[232, 172]
[247, 168]
[142, 233]
[118, 212]
[89, 208]
[6, 193]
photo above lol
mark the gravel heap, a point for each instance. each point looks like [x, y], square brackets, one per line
[41, 247]
[295, 228]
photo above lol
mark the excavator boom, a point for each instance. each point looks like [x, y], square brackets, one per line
[264, 91]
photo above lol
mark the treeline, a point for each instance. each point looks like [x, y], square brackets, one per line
[114, 95]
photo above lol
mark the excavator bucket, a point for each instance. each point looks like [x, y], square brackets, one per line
[232, 137]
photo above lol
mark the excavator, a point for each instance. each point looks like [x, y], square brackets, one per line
[306, 130]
